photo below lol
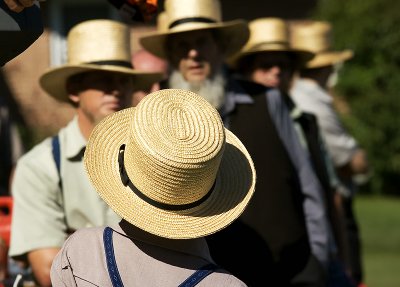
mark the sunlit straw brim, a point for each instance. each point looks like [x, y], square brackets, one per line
[232, 190]
[329, 58]
[232, 34]
[54, 80]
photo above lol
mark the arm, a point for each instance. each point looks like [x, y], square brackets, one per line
[19, 5]
[38, 226]
[357, 165]
[40, 261]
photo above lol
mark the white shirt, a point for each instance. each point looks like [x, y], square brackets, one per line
[310, 97]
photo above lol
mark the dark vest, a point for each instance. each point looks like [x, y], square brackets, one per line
[268, 244]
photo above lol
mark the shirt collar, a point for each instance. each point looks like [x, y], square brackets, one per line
[75, 142]
[195, 247]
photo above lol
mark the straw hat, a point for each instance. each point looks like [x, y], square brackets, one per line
[316, 36]
[169, 167]
[269, 35]
[162, 21]
[191, 15]
[95, 45]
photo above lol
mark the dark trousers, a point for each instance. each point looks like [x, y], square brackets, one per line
[354, 241]
[313, 275]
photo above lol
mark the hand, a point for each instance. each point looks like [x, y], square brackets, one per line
[19, 5]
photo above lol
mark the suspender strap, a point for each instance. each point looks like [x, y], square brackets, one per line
[193, 280]
[199, 275]
[55, 143]
[110, 258]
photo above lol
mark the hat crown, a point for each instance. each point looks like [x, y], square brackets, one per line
[83, 42]
[180, 11]
[268, 32]
[162, 21]
[313, 36]
[175, 147]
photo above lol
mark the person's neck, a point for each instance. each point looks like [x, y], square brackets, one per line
[85, 125]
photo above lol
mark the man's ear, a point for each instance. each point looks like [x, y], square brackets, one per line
[74, 98]
[73, 90]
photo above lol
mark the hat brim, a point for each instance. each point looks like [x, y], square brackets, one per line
[233, 189]
[329, 58]
[233, 34]
[54, 80]
[303, 56]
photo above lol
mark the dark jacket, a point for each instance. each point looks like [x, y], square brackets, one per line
[268, 244]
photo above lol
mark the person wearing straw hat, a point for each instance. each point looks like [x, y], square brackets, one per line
[267, 59]
[145, 61]
[311, 93]
[52, 194]
[195, 41]
[174, 174]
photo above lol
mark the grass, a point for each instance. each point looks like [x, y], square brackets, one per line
[379, 223]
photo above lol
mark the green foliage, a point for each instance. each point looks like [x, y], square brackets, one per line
[370, 82]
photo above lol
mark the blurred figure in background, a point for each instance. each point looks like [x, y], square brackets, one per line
[11, 147]
[311, 92]
[145, 61]
[195, 43]
[52, 194]
[268, 59]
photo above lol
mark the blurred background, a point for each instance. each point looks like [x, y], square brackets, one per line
[367, 96]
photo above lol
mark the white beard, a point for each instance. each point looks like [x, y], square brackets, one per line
[213, 90]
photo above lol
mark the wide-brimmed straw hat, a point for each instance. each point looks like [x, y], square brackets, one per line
[269, 35]
[95, 45]
[169, 167]
[191, 15]
[162, 21]
[316, 36]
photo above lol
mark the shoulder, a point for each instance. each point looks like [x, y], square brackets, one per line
[85, 236]
[82, 258]
[84, 245]
[221, 277]
[36, 160]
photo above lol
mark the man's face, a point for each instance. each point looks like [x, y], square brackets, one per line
[195, 54]
[145, 61]
[273, 69]
[99, 94]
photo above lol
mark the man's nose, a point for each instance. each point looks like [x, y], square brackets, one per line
[193, 53]
[276, 69]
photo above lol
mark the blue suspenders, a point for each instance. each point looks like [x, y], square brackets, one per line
[193, 280]
[110, 258]
[55, 143]
[199, 275]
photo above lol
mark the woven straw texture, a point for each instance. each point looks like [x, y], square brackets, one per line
[233, 34]
[269, 35]
[177, 150]
[316, 36]
[95, 41]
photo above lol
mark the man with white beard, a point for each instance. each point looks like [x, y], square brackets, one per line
[269, 240]
[196, 48]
